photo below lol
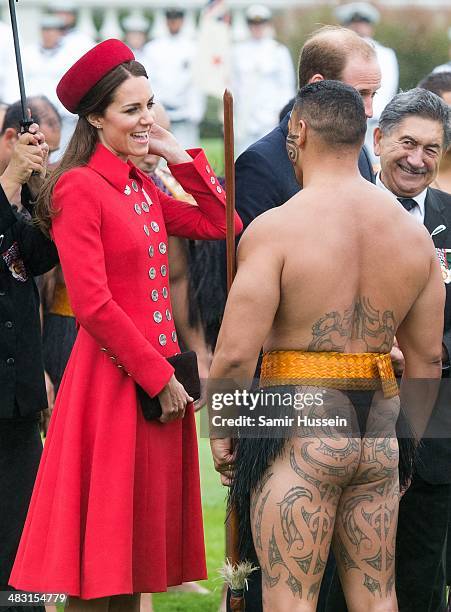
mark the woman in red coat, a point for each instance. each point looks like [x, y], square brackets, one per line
[116, 506]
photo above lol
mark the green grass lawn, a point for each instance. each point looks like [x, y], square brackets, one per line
[214, 150]
[213, 503]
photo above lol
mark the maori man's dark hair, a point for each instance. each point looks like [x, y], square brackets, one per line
[335, 111]
[417, 103]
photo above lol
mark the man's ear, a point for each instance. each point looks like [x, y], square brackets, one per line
[377, 135]
[302, 131]
[9, 137]
[316, 77]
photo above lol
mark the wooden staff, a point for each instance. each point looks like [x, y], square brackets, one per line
[229, 162]
[237, 601]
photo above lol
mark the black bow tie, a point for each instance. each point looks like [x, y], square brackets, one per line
[408, 203]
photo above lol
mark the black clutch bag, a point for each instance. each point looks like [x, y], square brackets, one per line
[186, 372]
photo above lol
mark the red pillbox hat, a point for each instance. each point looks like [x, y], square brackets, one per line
[89, 69]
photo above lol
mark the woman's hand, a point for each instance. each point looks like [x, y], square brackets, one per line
[173, 400]
[164, 144]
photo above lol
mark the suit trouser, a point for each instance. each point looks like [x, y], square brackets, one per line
[20, 452]
[421, 547]
[420, 550]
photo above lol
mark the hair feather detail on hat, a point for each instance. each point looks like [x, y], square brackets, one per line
[89, 69]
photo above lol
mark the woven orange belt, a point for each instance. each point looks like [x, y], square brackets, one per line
[61, 304]
[344, 371]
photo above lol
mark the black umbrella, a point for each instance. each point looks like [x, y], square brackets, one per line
[26, 120]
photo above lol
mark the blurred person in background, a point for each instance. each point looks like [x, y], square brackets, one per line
[44, 63]
[440, 84]
[447, 66]
[362, 17]
[3, 108]
[7, 60]
[263, 79]
[45, 114]
[169, 60]
[75, 41]
[136, 30]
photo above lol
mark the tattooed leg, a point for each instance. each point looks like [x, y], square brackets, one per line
[293, 515]
[365, 529]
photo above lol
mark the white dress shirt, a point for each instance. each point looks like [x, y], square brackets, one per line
[417, 211]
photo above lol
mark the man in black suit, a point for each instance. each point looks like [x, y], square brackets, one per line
[24, 253]
[414, 132]
[264, 174]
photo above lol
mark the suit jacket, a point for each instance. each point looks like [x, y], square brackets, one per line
[434, 462]
[265, 177]
[24, 252]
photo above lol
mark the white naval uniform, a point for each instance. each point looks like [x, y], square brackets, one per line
[263, 81]
[7, 61]
[76, 43]
[169, 63]
[389, 87]
[43, 69]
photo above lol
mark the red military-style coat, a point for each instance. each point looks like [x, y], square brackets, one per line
[116, 505]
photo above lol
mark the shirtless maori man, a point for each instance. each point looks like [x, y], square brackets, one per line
[329, 278]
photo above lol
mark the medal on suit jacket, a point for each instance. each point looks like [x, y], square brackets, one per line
[444, 256]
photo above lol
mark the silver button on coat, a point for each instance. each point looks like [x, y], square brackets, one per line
[157, 316]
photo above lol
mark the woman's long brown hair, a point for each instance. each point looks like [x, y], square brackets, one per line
[85, 138]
